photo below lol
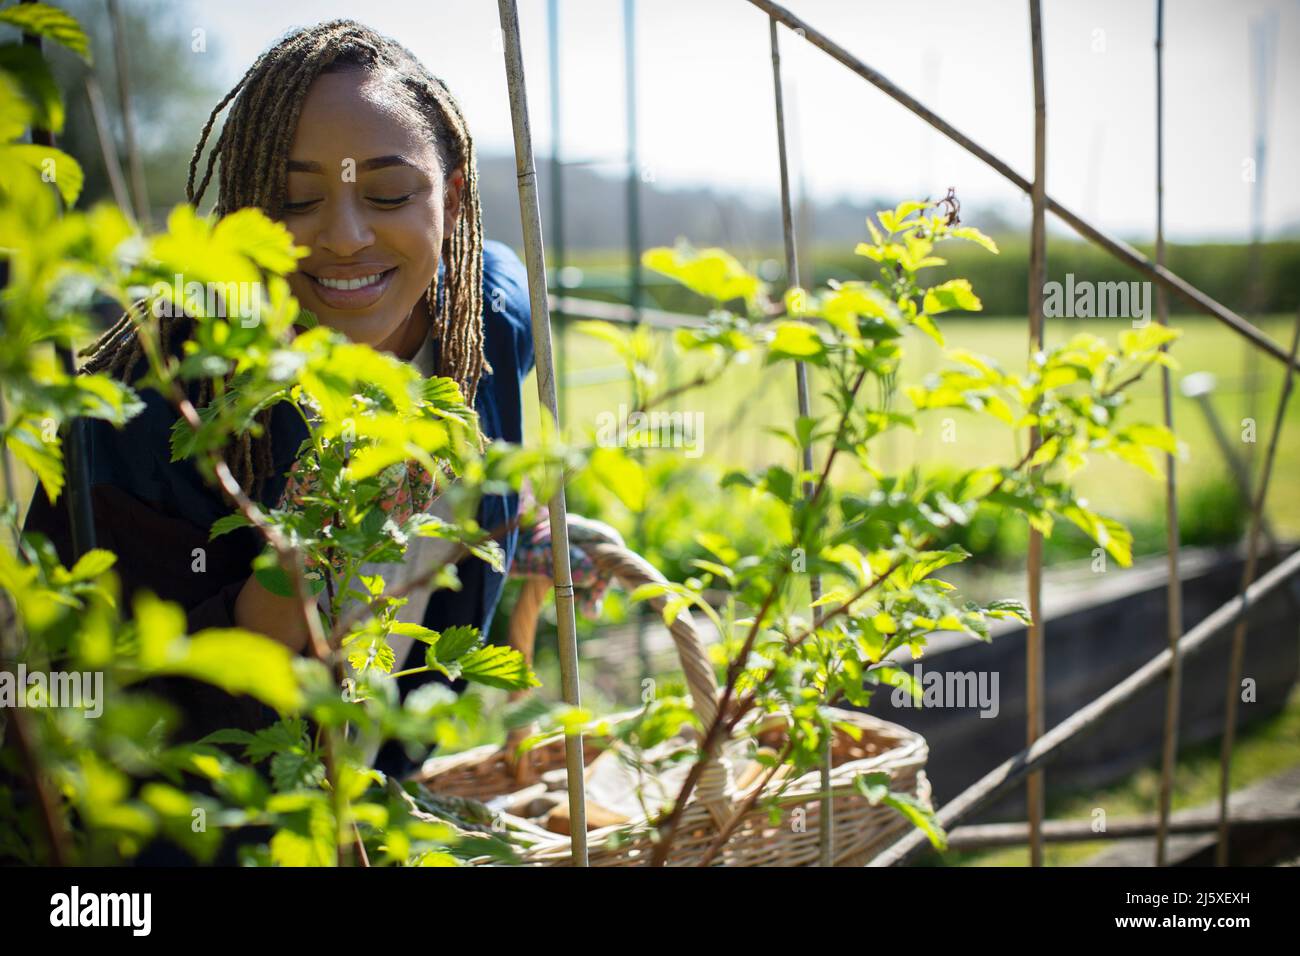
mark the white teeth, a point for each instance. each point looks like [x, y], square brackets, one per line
[349, 283]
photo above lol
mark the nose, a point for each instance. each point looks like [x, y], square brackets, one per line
[346, 228]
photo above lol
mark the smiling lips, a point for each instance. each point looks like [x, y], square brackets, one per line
[349, 283]
[352, 292]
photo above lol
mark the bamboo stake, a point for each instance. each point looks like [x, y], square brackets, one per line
[535, 256]
[1237, 466]
[134, 162]
[1174, 598]
[1087, 717]
[1034, 668]
[6, 463]
[106, 145]
[1232, 689]
[1117, 248]
[826, 817]
[636, 281]
[986, 835]
[1263, 35]
[636, 291]
[619, 312]
[557, 204]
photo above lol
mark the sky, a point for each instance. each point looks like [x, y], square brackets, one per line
[705, 95]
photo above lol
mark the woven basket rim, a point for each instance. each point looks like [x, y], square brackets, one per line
[490, 751]
[558, 850]
[909, 750]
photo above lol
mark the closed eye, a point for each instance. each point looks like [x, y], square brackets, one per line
[387, 201]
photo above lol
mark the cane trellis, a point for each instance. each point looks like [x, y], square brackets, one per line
[1041, 746]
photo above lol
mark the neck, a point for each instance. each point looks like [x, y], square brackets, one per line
[410, 335]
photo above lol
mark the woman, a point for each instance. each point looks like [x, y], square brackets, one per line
[366, 157]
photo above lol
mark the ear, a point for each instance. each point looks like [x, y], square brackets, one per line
[453, 192]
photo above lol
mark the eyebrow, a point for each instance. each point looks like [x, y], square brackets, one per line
[377, 162]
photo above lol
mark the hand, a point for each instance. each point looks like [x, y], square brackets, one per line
[280, 618]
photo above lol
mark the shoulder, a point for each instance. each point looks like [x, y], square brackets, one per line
[507, 313]
[504, 266]
[505, 286]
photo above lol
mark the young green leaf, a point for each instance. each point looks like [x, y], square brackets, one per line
[48, 22]
[953, 294]
[497, 666]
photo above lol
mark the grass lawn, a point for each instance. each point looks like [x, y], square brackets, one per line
[738, 410]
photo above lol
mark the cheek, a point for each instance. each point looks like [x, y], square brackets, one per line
[300, 227]
[414, 233]
[419, 227]
[298, 284]
[303, 235]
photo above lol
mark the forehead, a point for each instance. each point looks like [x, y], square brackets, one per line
[356, 115]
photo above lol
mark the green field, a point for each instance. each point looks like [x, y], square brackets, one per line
[739, 409]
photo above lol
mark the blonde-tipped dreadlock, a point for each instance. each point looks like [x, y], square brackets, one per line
[254, 152]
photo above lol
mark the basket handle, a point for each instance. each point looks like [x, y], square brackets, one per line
[614, 559]
[633, 571]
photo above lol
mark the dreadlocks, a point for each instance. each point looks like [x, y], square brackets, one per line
[253, 149]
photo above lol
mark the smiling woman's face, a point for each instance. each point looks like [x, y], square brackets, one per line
[366, 195]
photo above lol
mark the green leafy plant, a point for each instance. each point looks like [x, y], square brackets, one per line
[101, 790]
[876, 552]
[95, 791]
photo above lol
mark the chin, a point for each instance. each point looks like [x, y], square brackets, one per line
[361, 329]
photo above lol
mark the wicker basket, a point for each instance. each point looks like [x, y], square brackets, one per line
[860, 829]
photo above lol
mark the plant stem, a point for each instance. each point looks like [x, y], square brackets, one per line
[668, 828]
[745, 806]
[288, 555]
[52, 821]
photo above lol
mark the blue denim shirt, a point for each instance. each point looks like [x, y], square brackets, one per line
[508, 346]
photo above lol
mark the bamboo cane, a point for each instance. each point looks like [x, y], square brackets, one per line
[6, 463]
[112, 165]
[557, 203]
[1034, 668]
[535, 257]
[986, 835]
[1232, 689]
[825, 830]
[636, 282]
[1174, 599]
[1117, 248]
[135, 164]
[1263, 35]
[1090, 715]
